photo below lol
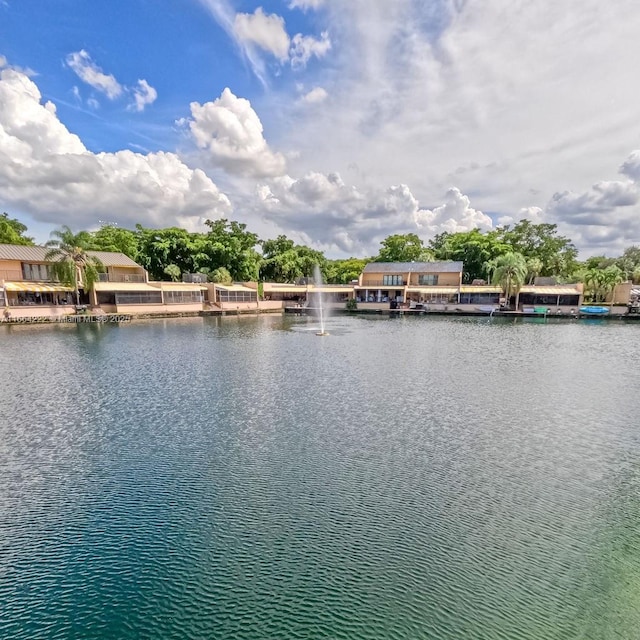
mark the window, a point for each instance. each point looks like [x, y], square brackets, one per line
[236, 296]
[182, 297]
[428, 279]
[36, 271]
[393, 281]
[139, 297]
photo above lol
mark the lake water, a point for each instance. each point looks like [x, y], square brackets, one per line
[242, 478]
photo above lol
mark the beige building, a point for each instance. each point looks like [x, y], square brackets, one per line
[28, 288]
[433, 286]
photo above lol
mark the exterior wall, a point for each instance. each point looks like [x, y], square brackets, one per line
[621, 293]
[40, 311]
[376, 279]
[10, 270]
[120, 274]
[237, 306]
[137, 309]
[447, 279]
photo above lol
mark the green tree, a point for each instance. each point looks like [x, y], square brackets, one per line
[593, 279]
[173, 271]
[112, 238]
[221, 276]
[159, 248]
[476, 250]
[230, 245]
[510, 274]
[534, 267]
[72, 265]
[557, 253]
[344, 271]
[12, 231]
[284, 261]
[629, 261]
[400, 248]
[612, 276]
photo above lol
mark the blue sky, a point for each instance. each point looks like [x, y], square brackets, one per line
[335, 123]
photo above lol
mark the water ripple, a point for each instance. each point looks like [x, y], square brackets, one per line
[241, 479]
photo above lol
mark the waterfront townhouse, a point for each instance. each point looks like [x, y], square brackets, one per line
[421, 285]
[28, 287]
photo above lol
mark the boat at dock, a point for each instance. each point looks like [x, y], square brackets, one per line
[594, 310]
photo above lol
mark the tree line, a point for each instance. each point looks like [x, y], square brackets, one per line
[227, 251]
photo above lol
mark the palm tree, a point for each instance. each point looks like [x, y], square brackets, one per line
[611, 277]
[534, 268]
[72, 265]
[594, 279]
[489, 268]
[510, 273]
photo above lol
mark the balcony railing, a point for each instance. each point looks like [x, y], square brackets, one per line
[120, 277]
[381, 284]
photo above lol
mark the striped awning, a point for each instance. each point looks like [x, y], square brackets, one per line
[550, 291]
[434, 290]
[480, 289]
[35, 287]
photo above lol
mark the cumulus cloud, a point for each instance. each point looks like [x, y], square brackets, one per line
[304, 47]
[631, 166]
[334, 215]
[266, 31]
[88, 71]
[456, 214]
[230, 131]
[143, 94]
[607, 214]
[47, 171]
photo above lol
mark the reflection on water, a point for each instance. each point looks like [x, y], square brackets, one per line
[240, 478]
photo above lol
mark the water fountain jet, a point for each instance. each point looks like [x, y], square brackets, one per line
[317, 280]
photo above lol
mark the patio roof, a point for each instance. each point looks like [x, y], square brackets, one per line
[181, 286]
[37, 287]
[235, 287]
[124, 286]
[38, 253]
[480, 289]
[436, 290]
[550, 291]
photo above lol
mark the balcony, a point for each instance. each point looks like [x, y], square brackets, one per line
[382, 285]
[120, 277]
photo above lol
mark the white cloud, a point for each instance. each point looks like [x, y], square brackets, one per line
[3, 61]
[266, 31]
[631, 166]
[304, 47]
[306, 4]
[315, 96]
[84, 67]
[334, 215]
[231, 133]
[605, 217]
[456, 214]
[505, 102]
[48, 173]
[143, 94]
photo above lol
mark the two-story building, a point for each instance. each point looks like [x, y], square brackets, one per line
[28, 287]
